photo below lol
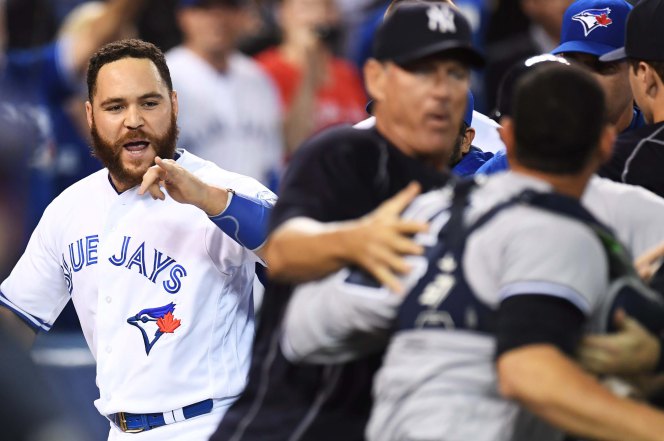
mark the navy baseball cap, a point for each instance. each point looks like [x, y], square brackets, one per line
[644, 33]
[208, 3]
[595, 27]
[418, 30]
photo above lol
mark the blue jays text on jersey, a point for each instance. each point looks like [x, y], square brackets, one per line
[131, 255]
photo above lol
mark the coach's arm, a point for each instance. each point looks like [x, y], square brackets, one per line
[303, 249]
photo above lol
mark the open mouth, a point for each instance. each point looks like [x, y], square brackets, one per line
[137, 146]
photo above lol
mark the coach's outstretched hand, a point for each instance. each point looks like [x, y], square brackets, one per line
[183, 187]
[380, 240]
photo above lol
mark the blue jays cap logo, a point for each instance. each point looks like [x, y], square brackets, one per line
[160, 320]
[592, 19]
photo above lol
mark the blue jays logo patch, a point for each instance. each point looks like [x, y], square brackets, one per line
[592, 19]
[160, 320]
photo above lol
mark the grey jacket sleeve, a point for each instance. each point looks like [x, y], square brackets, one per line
[335, 320]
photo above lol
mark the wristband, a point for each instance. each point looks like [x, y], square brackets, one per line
[244, 220]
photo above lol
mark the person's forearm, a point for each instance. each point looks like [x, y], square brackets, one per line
[299, 120]
[335, 321]
[106, 28]
[303, 249]
[553, 387]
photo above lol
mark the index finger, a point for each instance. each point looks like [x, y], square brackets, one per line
[151, 177]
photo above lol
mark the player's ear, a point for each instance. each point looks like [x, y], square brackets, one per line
[375, 79]
[88, 113]
[468, 137]
[174, 102]
[506, 132]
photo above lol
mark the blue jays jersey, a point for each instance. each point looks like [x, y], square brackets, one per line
[164, 297]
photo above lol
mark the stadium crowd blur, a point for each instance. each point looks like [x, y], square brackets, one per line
[306, 54]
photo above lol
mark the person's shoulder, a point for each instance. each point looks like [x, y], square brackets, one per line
[641, 134]
[77, 193]
[177, 55]
[246, 66]
[343, 67]
[341, 138]
[270, 58]
[620, 198]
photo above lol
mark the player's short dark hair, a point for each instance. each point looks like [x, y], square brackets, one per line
[559, 113]
[131, 48]
[657, 66]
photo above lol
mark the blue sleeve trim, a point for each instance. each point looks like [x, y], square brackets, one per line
[35, 323]
[245, 220]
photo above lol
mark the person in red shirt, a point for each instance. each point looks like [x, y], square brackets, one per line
[317, 89]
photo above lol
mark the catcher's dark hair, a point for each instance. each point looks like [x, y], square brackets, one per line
[559, 114]
[131, 48]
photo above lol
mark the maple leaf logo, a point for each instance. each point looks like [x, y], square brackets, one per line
[604, 20]
[168, 323]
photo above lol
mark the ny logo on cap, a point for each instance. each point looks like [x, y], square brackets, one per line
[592, 19]
[441, 18]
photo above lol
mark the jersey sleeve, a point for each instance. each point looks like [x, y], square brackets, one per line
[338, 319]
[38, 287]
[557, 257]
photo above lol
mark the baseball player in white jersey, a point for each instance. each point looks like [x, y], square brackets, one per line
[230, 109]
[162, 285]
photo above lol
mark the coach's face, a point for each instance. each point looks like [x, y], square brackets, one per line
[132, 119]
[420, 107]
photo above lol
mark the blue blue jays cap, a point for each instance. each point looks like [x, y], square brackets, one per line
[470, 106]
[419, 30]
[594, 27]
[644, 33]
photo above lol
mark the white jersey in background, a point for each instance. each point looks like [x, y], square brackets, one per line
[162, 294]
[233, 118]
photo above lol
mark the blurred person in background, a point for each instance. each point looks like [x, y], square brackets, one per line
[230, 108]
[33, 83]
[546, 18]
[591, 29]
[74, 159]
[317, 89]
[638, 156]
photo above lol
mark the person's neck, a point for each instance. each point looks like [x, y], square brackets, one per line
[218, 60]
[568, 185]
[658, 111]
[625, 119]
[119, 186]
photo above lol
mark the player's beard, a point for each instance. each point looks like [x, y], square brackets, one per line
[110, 154]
